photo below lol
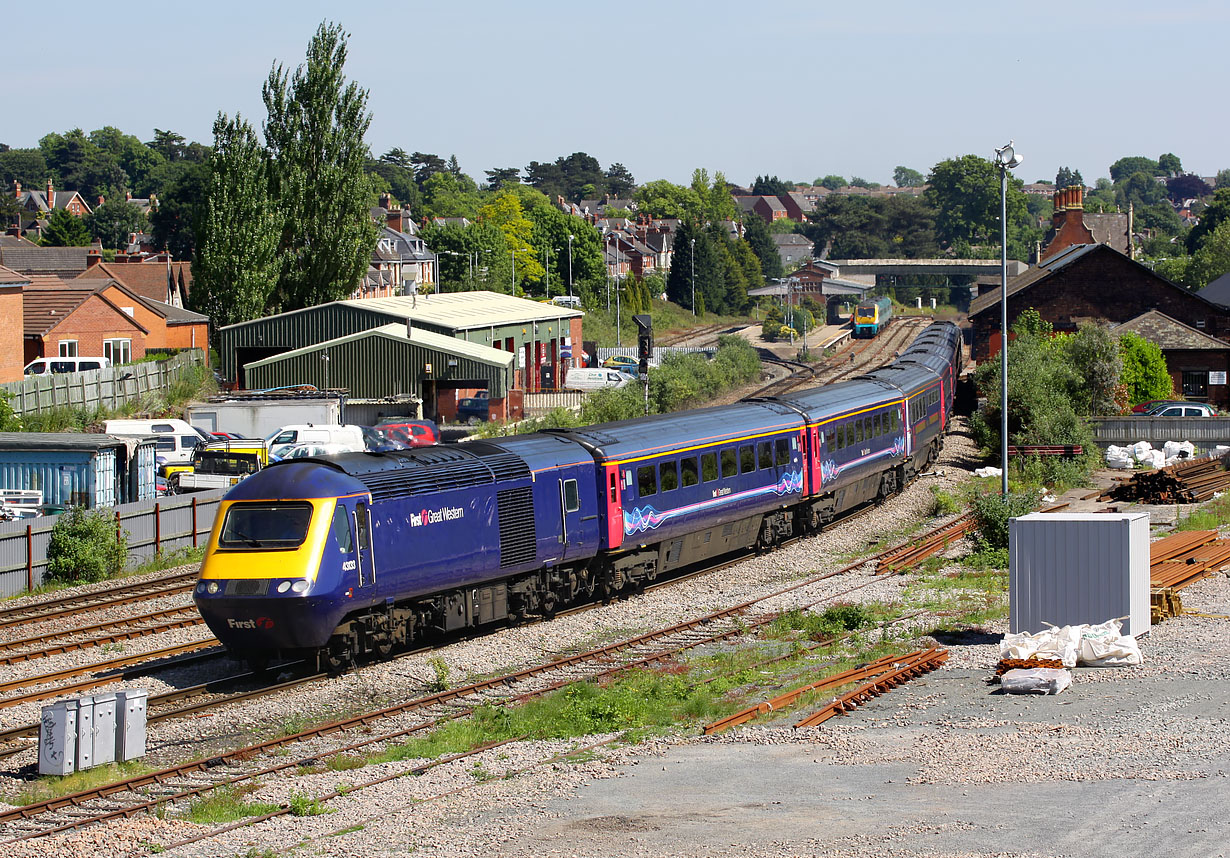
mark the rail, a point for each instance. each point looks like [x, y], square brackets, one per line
[1046, 450]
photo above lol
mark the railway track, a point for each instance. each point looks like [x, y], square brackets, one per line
[119, 595]
[704, 334]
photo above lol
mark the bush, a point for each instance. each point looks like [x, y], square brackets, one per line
[991, 513]
[85, 546]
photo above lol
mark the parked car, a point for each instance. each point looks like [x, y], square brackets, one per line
[579, 378]
[228, 436]
[622, 363]
[412, 433]
[1183, 409]
[177, 441]
[303, 451]
[472, 409]
[287, 437]
[42, 366]
[567, 301]
[1145, 407]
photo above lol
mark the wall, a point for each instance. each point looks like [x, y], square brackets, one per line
[92, 322]
[12, 351]
[1204, 432]
[1207, 360]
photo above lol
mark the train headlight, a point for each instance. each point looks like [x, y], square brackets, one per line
[284, 586]
[299, 586]
[211, 587]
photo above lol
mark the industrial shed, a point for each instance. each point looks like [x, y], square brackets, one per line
[70, 469]
[396, 361]
[540, 336]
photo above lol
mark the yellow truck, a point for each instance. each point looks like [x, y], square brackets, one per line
[220, 465]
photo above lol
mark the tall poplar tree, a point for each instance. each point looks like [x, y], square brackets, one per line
[314, 134]
[236, 267]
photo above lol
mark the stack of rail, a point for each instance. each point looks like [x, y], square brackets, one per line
[1179, 561]
[1193, 481]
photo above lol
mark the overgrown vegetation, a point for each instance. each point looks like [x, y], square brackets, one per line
[992, 512]
[829, 625]
[1207, 516]
[55, 786]
[85, 546]
[171, 559]
[227, 804]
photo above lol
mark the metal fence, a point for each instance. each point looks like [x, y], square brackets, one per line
[107, 388]
[659, 352]
[538, 404]
[1204, 432]
[161, 525]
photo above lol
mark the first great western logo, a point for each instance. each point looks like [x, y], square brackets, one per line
[436, 516]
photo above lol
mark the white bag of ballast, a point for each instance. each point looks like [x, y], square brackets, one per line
[1140, 449]
[1119, 457]
[1105, 645]
[1035, 680]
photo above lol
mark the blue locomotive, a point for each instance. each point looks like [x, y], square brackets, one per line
[352, 555]
[871, 316]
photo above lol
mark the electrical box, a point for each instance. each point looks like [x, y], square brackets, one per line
[57, 739]
[130, 721]
[1073, 568]
[85, 732]
[104, 728]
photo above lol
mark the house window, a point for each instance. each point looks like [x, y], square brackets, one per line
[1195, 384]
[68, 348]
[117, 351]
[1200, 324]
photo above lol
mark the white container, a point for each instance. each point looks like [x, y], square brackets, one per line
[1073, 568]
[57, 739]
[104, 728]
[131, 721]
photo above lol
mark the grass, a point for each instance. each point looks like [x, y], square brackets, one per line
[227, 805]
[1208, 516]
[54, 786]
[170, 559]
[600, 325]
[972, 595]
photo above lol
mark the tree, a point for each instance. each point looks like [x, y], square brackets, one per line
[1093, 354]
[504, 212]
[758, 237]
[1169, 165]
[859, 182]
[1067, 177]
[501, 176]
[78, 164]
[770, 186]
[179, 206]
[1223, 179]
[446, 195]
[1139, 189]
[1101, 198]
[1125, 167]
[1213, 215]
[237, 264]
[832, 182]
[1211, 259]
[27, 166]
[113, 221]
[1144, 373]
[425, 166]
[85, 546]
[1160, 217]
[619, 181]
[65, 230]
[314, 134]
[965, 193]
[662, 199]
[904, 177]
[1187, 186]
[168, 144]
[716, 202]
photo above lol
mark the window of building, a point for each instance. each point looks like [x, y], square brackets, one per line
[117, 351]
[730, 466]
[68, 348]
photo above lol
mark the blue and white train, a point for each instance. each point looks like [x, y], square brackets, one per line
[349, 556]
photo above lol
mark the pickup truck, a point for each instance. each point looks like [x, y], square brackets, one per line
[220, 465]
[473, 409]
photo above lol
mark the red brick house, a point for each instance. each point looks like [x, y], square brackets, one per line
[1071, 225]
[1091, 282]
[1198, 363]
[158, 281]
[12, 285]
[169, 327]
[72, 319]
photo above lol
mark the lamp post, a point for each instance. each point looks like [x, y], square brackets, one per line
[693, 267]
[570, 238]
[546, 252]
[1005, 158]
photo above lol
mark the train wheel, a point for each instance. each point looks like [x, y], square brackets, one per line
[339, 655]
[382, 647]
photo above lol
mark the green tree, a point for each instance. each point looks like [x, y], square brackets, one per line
[1125, 167]
[113, 221]
[1093, 355]
[662, 199]
[1067, 177]
[758, 237]
[1223, 179]
[1144, 373]
[65, 230]
[237, 263]
[1214, 214]
[180, 204]
[1101, 198]
[770, 186]
[78, 164]
[859, 182]
[1139, 190]
[832, 181]
[501, 176]
[965, 194]
[619, 181]
[446, 195]
[504, 212]
[904, 177]
[314, 134]
[1211, 260]
[1169, 164]
[27, 166]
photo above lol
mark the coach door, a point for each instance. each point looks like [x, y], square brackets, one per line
[572, 534]
[363, 543]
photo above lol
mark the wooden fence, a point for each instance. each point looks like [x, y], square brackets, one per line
[152, 526]
[1204, 432]
[106, 388]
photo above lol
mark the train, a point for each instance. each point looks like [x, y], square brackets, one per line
[349, 556]
[871, 316]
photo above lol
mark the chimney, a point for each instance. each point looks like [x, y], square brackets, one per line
[51, 195]
[127, 196]
[18, 185]
[393, 221]
[386, 201]
[93, 256]
[1058, 199]
[1074, 212]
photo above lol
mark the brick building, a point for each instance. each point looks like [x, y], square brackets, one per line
[1198, 363]
[73, 319]
[11, 352]
[1091, 283]
[1071, 225]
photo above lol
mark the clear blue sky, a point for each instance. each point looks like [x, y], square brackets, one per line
[794, 88]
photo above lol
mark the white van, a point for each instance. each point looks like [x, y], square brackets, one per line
[571, 301]
[56, 365]
[176, 439]
[581, 378]
[289, 437]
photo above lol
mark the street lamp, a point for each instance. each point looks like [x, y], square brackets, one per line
[693, 267]
[570, 238]
[1005, 158]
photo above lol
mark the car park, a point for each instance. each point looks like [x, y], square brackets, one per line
[1183, 409]
[412, 433]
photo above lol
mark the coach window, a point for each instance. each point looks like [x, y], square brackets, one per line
[783, 450]
[849, 434]
[766, 455]
[747, 458]
[614, 489]
[668, 476]
[858, 431]
[875, 423]
[832, 441]
[708, 467]
[647, 481]
[687, 469]
[868, 434]
[572, 498]
[730, 465]
[363, 526]
[892, 419]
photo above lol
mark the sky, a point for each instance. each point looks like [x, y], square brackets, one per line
[798, 89]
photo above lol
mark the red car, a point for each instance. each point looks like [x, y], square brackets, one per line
[412, 433]
[1149, 406]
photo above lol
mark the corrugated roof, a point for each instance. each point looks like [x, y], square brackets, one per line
[63, 441]
[1168, 333]
[419, 337]
[460, 311]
